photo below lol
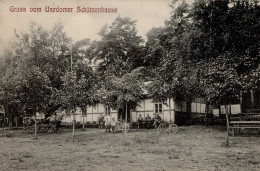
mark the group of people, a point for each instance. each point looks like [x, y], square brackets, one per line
[148, 117]
[109, 125]
[156, 119]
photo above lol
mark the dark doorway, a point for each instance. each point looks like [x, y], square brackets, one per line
[121, 115]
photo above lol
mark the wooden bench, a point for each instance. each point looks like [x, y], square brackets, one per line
[243, 125]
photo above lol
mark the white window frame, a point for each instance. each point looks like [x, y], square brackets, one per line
[157, 109]
[107, 110]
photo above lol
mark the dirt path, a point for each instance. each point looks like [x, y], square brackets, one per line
[192, 148]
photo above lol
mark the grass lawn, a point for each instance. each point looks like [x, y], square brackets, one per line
[192, 148]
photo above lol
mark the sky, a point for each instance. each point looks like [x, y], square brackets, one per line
[147, 13]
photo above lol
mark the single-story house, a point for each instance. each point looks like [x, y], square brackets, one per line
[145, 107]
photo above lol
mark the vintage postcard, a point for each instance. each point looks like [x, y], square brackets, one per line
[129, 85]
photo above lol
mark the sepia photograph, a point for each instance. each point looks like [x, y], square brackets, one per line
[131, 85]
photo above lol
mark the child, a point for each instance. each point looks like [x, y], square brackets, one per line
[107, 125]
[113, 124]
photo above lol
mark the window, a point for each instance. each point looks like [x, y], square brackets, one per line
[158, 107]
[107, 110]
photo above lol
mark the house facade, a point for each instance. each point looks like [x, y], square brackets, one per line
[92, 114]
[168, 110]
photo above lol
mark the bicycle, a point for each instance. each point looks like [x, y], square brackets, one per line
[171, 128]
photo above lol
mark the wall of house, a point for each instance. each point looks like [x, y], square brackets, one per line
[147, 106]
[143, 108]
[180, 106]
[91, 115]
[198, 107]
[235, 109]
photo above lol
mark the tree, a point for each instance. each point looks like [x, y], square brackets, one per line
[35, 92]
[83, 80]
[124, 91]
[79, 90]
[177, 76]
[154, 50]
[228, 27]
[47, 50]
[67, 95]
[119, 50]
[58, 62]
[10, 98]
[41, 56]
[9, 87]
[117, 54]
[86, 90]
[222, 85]
[229, 50]
[80, 48]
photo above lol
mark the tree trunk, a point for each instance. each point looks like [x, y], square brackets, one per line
[252, 99]
[16, 122]
[227, 119]
[170, 110]
[9, 123]
[121, 114]
[73, 125]
[83, 120]
[125, 119]
[3, 123]
[206, 112]
[35, 127]
[188, 108]
[83, 123]
[241, 99]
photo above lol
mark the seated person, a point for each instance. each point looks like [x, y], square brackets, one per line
[154, 115]
[148, 117]
[148, 122]
[139, 120]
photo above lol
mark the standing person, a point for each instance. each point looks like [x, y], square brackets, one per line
[107, 125]
[139, 120]
[100, 121]
[103, 123]
[113, 124]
